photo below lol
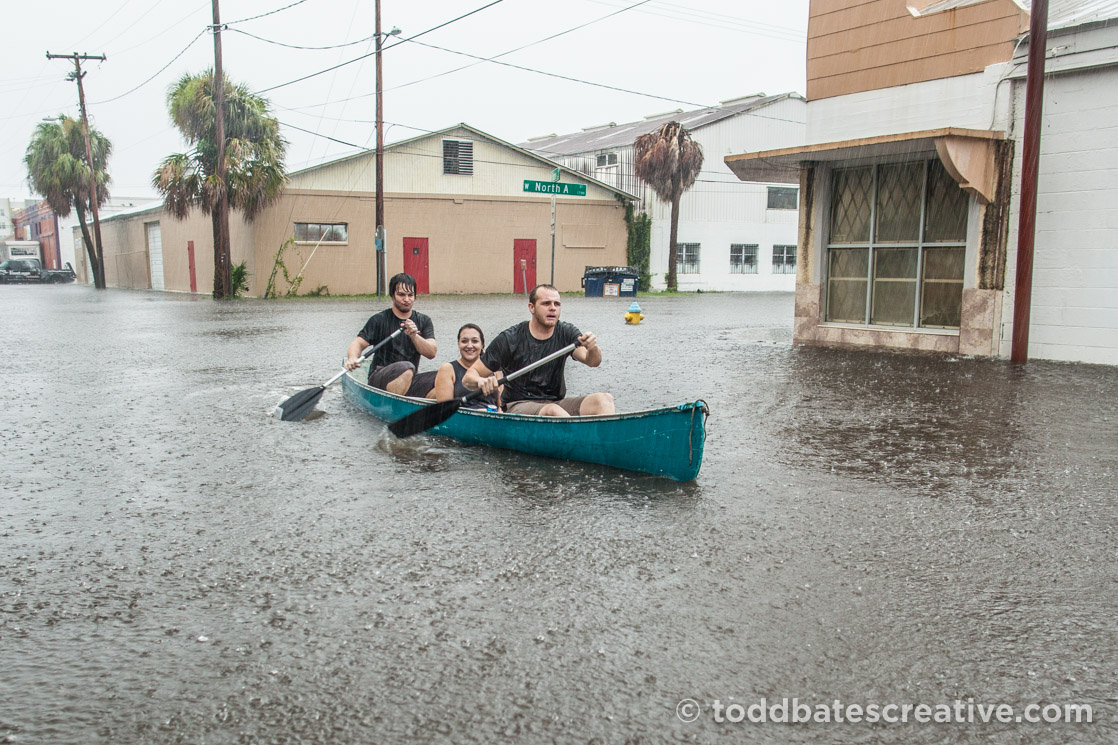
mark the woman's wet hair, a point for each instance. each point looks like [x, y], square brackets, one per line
[476, 328]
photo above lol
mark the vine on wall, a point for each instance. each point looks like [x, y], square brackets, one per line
[638, 250]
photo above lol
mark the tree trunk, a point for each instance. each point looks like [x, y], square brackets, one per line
[220, 269]
[95, 269]
[673, 250]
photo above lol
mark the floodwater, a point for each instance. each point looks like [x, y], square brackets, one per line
[177, 566]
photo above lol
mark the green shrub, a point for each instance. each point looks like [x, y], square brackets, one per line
[240, 279]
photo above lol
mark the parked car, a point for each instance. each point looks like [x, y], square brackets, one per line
[30, 270]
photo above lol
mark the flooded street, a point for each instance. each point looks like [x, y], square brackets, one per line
[177, 566]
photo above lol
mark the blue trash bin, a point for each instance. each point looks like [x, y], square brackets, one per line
[594, 279]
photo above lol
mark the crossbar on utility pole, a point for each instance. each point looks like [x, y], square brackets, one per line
[99, 270]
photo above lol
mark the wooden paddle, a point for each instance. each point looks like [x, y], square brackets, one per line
[435, 414]
[302, 403]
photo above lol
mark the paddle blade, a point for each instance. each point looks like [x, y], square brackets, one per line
[299, 405]
[425, 418]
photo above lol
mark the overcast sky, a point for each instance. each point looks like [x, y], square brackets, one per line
[663, 55]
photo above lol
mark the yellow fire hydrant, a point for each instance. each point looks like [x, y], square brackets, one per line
[634, 315]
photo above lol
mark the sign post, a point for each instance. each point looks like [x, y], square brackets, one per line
[554, 188]
[554, 180]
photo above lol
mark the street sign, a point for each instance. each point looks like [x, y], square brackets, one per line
[563, 190]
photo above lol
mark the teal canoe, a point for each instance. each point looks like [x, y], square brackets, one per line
[664, 442]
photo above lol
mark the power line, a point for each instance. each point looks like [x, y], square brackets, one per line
[370, 54]
[562, 77]
[503, 54]
[139, 18]
[270, 12]
[295, 46]
[718, 20]
[150, 38]
[103, 23]
[153, 77]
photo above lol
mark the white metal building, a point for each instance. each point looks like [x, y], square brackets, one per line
[733, 236]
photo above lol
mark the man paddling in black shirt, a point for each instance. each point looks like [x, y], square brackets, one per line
[395, 365]
[542, 391]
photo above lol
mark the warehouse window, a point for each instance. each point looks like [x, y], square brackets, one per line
[743, 258]
[784, 259]
[687, 258]
[897, 246]
[606, 159]
[321, 232]
[783, 198]
[458, 157]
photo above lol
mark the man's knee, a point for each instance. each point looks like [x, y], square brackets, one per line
[400, 385]
[597, 403]
[553, 410]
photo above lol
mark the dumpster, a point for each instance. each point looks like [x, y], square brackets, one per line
[610, 281]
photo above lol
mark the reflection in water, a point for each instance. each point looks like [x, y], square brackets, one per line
[944, 425]
[178, 566]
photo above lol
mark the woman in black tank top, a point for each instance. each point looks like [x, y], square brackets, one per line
[448, 381]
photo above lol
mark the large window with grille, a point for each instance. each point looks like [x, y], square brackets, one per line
[687, 258]
[743, 258]
[897, 246]
[784, 259]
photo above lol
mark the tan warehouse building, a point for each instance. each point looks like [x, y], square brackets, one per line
[465, 213]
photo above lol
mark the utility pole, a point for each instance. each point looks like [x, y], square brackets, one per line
[382, 265]
[77, 74]
[1030, 169]
[223, 279]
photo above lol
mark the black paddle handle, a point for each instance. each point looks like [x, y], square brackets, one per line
[527, 369]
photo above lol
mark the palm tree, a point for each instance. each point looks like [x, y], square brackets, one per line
[58, 170]
[254, 158]
[669, 161]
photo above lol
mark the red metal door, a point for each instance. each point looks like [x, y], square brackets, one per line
[523, 276]
[415, 263]
[190, 263]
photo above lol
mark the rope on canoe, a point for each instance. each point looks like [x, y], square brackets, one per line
[702, 405]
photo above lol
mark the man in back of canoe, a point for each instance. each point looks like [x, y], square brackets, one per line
[395, 365]
[542, 391]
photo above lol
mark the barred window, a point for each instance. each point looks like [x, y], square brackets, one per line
[743, 258]
[458, 157]
[897, 246]
[784, 259]
[321, 232]
[687, 258]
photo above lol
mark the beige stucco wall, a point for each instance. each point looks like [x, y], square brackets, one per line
[470, 239]
[127, 264]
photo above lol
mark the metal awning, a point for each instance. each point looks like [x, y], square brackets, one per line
[967, 154]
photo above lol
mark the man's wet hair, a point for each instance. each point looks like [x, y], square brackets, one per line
[403, 278]
[536, 289]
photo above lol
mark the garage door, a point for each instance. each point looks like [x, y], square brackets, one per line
[155, 255]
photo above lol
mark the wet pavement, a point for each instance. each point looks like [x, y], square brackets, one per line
[177, 566]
